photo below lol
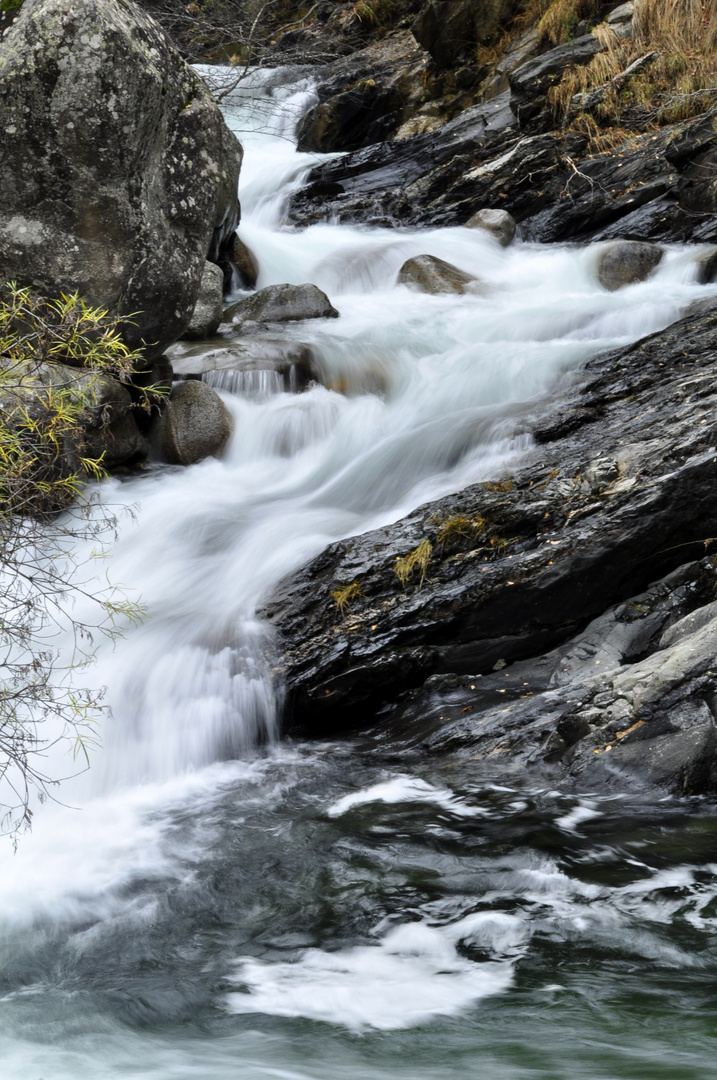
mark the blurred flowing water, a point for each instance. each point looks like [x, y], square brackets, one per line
[213, 902]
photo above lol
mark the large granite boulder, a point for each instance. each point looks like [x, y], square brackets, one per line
[118, 176]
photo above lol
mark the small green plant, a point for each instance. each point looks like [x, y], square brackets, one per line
[418, 559]
[345, 595]
[43, 468]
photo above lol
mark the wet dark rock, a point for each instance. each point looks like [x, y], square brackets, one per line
[450, 30]
[282, 303]
[618, 493]
[625, 262]
[209, 308]
[706, 270]
[366, 97]
[658, 186]
[245, 263]
[118, 176]
[530, 83]
[429, 274]
[194, 424]
[499, 223]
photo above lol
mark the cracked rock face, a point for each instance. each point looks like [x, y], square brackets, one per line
[529, 639]
[118, 175]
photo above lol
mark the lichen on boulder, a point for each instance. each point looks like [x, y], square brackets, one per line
[118, 175]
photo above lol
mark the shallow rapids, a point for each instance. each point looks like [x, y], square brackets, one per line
[212, 902]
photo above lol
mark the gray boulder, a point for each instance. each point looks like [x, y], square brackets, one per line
[432, 275]
[625, 262]
[282, 303]
[209, 308]
[499, 223]
[118, 175]
[620, 20]
[255, 366]
[194, 424]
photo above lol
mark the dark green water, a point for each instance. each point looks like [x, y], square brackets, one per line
[256, 925]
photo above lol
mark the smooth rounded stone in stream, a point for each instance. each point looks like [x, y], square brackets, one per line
[194, 424]
[282, 303]
[429, 274]
[706, 266]
[209, 308]
[499, 223]
[118, 174]
[626, 261]
[245, 263]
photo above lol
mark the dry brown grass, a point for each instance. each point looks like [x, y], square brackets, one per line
[418, 559]
[557, 25]
[677, 84]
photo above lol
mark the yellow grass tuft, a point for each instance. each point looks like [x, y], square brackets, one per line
[418, 559]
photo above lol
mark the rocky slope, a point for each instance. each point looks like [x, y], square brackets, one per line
[495, 591]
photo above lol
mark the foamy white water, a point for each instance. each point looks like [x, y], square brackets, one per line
[193, 879]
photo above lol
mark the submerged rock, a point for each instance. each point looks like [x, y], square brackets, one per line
[282, 303]
[499, 223]
[429, 274]
[499, 583]
[254, 366]
[118, 176]
[194, 424]
[209, 308]
[625, 262]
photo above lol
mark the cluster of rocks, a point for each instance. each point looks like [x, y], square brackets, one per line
[118, 180]
[499, 145]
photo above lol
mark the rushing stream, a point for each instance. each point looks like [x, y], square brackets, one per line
[216, 903]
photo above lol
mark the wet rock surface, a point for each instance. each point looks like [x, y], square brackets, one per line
[657, 186]
[282, 303]
[516, 620]
[625, 262]
[429, 274]
[194, 424]
[209, 308]
[255, 365]
[498, 223]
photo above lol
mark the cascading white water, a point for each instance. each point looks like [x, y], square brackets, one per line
[191, 685]
[432, 388]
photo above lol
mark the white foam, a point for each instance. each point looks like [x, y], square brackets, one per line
[406, 789]
[412, 976]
